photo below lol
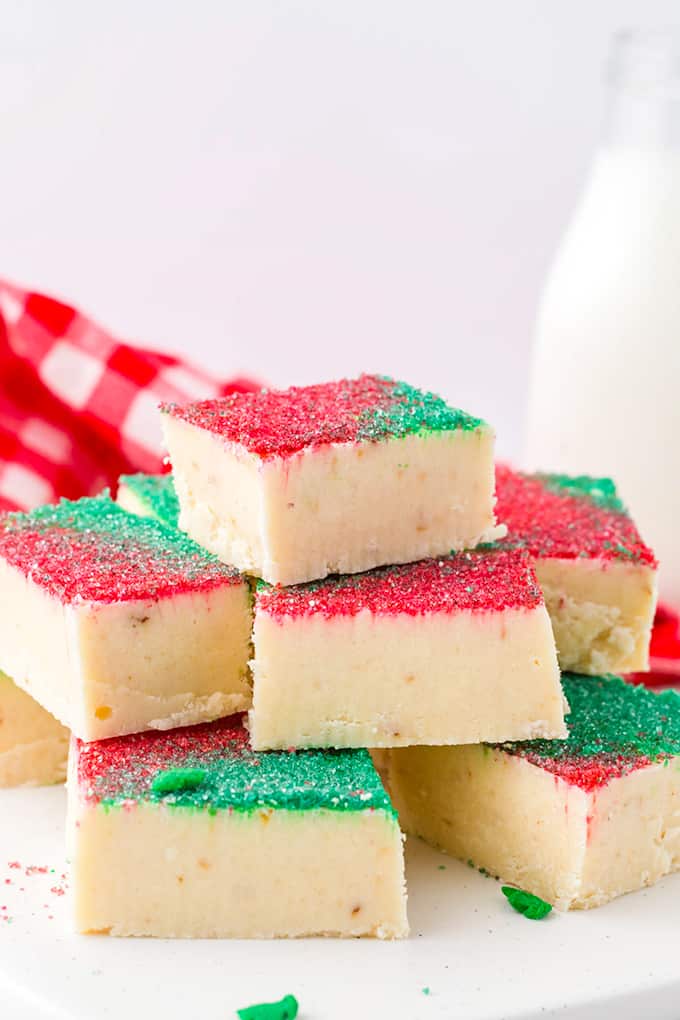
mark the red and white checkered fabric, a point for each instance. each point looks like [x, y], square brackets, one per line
[78, 407]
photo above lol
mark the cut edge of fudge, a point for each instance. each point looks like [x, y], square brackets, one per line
[451, 650]
[576, 821]
[597, 574]
[33, 744]
[297, 484]
[193, 834]
[130, 613]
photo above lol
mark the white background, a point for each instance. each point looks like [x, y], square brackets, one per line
[305, 190]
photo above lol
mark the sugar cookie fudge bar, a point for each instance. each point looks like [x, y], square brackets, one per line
[192, 834]
[33, 745]
[576, 821]
[597, 575]
[447, 651]
[297, 484]
[115, 623]
[149, 496]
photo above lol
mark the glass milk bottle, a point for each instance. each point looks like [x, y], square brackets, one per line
[605, 388]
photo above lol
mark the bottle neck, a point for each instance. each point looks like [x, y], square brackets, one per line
[643, 94]
[639, 120]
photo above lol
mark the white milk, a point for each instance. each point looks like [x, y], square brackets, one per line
[606, 375]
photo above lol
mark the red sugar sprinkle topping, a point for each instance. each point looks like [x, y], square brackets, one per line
[212, 767]
[153, 750]
[283, 422]
[91, 550]
[484, 580]
[558, 524]
[590, 773]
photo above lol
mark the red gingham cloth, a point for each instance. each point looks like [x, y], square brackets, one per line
[79, 407]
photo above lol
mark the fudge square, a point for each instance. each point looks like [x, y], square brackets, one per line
[149, 496]
[115, 623]
[597, 575]
[297, 484]
[576, 821]
[191, 834]
[448, 651]
[33, 745]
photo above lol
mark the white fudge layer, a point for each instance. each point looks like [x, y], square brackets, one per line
[573, 848]
[601, 611]
[338, 508]
[33, 745]
[178, 873]
[109, 669]
[390, 680]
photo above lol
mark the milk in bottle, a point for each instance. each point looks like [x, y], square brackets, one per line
[606, 372]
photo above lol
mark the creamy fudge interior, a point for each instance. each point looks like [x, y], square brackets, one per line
[139, 628]
[33, 744]
[298, 484]
[446, 651]
[192, 834]
[576, 821]
[597, 575]
[601, 613]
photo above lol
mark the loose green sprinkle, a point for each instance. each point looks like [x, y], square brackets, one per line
[441, 867]
[285, 1009]
[426, 991]
[178, 780]
[532, 907]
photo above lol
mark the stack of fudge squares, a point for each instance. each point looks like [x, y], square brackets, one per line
[336, 619]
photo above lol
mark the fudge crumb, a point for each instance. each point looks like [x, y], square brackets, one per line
[285, 1009]
[532, 907]
[176, 780]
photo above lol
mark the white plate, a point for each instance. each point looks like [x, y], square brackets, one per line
[476, 956]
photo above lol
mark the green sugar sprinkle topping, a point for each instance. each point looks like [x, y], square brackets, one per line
[285, 1009]
[157, 495]
[211, 767]
[525, 903]
[614, 727]
[600, 491]
[177, 780]
[412, 410]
